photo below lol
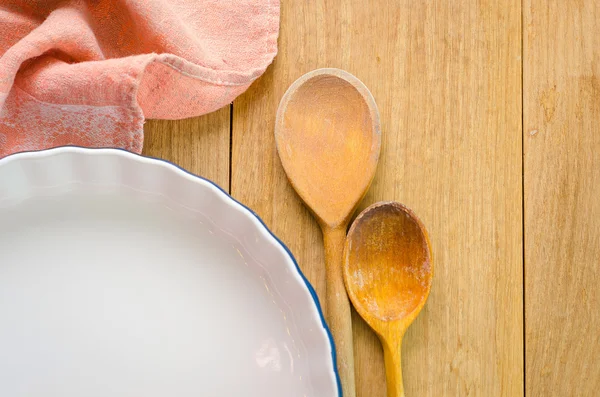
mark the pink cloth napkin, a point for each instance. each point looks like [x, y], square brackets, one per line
[76, 72]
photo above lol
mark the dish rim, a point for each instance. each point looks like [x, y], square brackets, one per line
[220, 192]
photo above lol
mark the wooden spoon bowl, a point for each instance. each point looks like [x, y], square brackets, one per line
[328, 138]
[388, 271]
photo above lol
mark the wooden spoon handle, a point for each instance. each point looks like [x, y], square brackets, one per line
[392, 354]
[339, 317]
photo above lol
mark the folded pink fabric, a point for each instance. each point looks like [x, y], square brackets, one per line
[75, 72]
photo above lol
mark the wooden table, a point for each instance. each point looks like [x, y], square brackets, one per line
[491, 133]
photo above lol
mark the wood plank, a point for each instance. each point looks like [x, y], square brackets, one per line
[562, 197]
[446, 75]
[198, 144]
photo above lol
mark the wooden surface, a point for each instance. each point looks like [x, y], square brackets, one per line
[200, 145]
[447, 76]
[447, 79]
[562, 197]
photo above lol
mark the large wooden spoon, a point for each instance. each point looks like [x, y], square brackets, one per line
[328, 138]
[388, 270]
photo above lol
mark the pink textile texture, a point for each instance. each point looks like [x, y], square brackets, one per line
[88, 72]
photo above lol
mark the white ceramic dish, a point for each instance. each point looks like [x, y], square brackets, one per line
[125, 276]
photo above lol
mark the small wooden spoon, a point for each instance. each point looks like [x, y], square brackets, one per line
[328, 138]
[388, 270]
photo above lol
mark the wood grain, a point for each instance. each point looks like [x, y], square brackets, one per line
[562, 197]
[200, 144]
[447, 78]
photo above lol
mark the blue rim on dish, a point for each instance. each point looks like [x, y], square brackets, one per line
[309, 286]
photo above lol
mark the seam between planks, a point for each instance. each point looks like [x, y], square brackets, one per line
[523, 193]
[230, 145]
